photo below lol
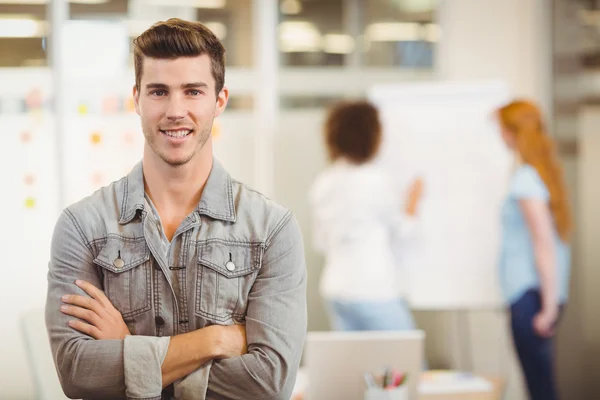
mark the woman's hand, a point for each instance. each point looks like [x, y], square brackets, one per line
[544, 322]
[413, 197]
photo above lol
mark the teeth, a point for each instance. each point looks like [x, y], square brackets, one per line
[177, 133]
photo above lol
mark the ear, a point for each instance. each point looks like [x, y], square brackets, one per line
[136, 99]
[222, 100]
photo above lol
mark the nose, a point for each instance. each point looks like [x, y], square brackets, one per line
[176, 108]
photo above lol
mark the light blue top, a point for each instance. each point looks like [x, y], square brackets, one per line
[518, 271]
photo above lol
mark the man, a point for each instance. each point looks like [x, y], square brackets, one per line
[177, 281]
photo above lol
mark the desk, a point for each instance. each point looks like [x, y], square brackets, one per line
[495, 394]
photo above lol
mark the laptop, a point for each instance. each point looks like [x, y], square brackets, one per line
[336, 362]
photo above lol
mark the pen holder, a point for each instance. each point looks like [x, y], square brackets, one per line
[376, 393]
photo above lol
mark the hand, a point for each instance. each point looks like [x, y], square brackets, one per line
[231, 340]
[544, 322]
[414, 195]
[104, 320]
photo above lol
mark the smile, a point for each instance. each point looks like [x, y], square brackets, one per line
[176, 133]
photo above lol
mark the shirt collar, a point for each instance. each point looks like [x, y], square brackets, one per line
[216, 201]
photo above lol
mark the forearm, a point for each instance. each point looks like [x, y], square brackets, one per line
[91, 369]
[546, 267]
[102, 369]
[188, 352]
[262, 374]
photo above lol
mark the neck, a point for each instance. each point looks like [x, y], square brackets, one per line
[518, 159]
[176, 190]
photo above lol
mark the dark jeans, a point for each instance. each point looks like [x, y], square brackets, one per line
[536, 353]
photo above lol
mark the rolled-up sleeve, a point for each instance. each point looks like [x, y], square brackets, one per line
[276, 322]
[89, 368]
[195, 385]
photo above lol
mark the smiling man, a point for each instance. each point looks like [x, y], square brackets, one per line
[177, 281]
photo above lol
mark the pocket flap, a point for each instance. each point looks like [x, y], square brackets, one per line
[230, 259]
[130, 252]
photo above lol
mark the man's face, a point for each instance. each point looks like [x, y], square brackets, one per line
[177, 105]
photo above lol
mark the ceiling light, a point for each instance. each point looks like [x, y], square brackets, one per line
[433, 33]
[21, 28]
[29, 2]
[393, 31]
[218, 28]
[290, 7]
[415, 5]
[87, 1]
[338, 44]
[299, 36]
[187, 3]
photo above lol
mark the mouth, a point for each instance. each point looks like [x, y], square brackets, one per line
[176, 133]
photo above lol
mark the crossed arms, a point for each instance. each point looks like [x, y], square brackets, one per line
[97, 358]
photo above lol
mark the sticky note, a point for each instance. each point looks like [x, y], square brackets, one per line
[29, 180]
[129, 138]
[110, 105]
[216, 130]
[25, 137]
[34, 99]
[97, 179]
[30, 202]
[96, 138]
[130, 105]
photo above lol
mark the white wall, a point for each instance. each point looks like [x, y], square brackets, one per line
[589, 252]
[507, 39]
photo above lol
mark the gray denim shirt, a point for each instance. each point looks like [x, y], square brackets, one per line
[238, 258]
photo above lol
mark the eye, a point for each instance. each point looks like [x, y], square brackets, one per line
[195, 92]
[159, 92]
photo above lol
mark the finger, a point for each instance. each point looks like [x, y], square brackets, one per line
[87, 329]
[82, 313]
[84, 302]
[95, 293]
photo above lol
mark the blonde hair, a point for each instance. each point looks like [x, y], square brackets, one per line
[536, 148]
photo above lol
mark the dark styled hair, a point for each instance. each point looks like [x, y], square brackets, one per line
[176, 38]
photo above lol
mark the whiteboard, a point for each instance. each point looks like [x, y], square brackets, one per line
[446, 133]
[29, 203]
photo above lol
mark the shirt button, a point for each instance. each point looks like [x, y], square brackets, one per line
[118, 263]
[230, 266]
[159, 321]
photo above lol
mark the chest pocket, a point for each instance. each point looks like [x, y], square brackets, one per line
[127, 274]
[226, 272]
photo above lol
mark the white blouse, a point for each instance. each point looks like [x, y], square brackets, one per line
[358, 224]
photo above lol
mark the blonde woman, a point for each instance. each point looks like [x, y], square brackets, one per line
[535, 256]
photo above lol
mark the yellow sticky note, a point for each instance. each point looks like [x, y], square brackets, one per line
[29, 202]
[96, 138]
[216, 130]
[130, 105]
[82, 109]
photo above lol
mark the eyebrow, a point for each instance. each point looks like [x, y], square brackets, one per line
[191, 85]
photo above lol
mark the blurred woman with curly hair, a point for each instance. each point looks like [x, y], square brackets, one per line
[358, 222]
